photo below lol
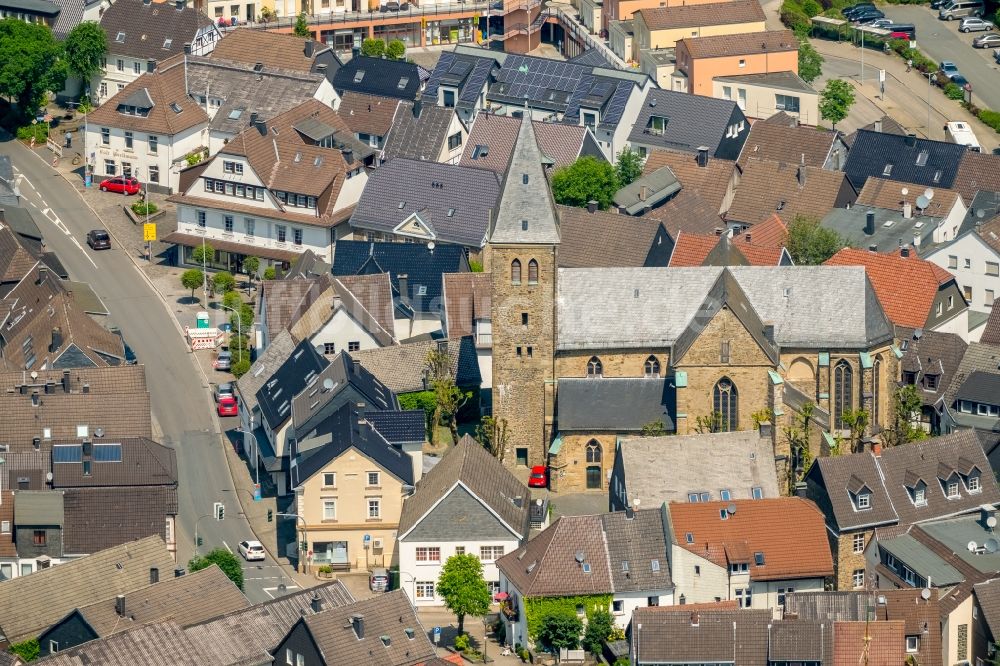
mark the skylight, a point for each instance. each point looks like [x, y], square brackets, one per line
[167, 43]
[451, 212]
[360, 74]
[120, 38]
[922, 158]
[175, 107]
[403, 80]
[887, 171]
[235, 114]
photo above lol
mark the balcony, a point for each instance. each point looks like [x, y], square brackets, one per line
[484, 340]
[509, 610]
[520, 5]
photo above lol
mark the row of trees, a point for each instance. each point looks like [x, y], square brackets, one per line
[33, 63]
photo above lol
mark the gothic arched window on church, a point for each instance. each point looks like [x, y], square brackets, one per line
[515, 271]
[532, 272]
[593, 451]
[652, 368]
[726, 401]
[843, 392]
[594, 367]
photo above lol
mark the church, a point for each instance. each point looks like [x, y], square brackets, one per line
[584, 356]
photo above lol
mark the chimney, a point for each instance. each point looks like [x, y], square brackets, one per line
[800, 489]
[179, 571]
[703, 156]
[718, 231]
[180, 4]
[907, 210]
[187, 47]
[629, 513]
[877, 449]
[987, 514]
[591, 206]
[417, 108]
[357, 365]
[36, 443]
[261, 126]
[88, 448]
[643, 193]
[904, 252]
[765, 430]
[50, 388]
[120, 605]
[800, 175]
[321, 68]
[910, 140]
[86, 388]
[65, 381]
[348, 154]
[694, 619]
[309, 47]
[316, 603]
[869, 223]
[150, 65]
[769, 331]
[57, 339]
[878, 125]
[358, 624]
[403, 280]
[873, 247]
[746, 237]
[43, 272]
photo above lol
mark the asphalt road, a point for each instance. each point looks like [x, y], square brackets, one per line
[181, 402]
[941, 40]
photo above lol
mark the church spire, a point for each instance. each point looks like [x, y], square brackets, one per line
[527, 213]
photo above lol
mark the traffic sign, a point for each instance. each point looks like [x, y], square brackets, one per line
[149, 231]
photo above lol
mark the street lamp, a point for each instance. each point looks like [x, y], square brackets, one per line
[303, 560]
[256, 460]
[2, 461]
[929, 75]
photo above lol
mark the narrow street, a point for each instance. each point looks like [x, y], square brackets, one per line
[178, 391]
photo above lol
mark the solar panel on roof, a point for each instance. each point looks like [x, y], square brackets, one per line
[67, 453]
[616, 106]
[107, 452]
[460, 67]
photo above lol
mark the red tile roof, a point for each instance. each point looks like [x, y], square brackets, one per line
[769, 233]
[789, 531]
[905, 286]
[691, 249]
[871, 643]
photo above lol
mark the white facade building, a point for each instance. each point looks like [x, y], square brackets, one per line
[975, 265]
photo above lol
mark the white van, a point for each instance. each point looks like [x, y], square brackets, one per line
[961, 133]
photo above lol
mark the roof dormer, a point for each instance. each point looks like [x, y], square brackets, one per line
[860, 493]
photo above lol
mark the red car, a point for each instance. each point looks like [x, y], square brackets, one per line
[227, 406]
[121, 185]
[539, 477]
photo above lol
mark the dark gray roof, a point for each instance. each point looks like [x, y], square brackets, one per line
[402, 367]
[275, 397]
[402, 188]
[70, 16]
[466, 72]
[615, 404]
[649, 190]
[907, 159]
[38, 507]
[692, 120]
[33, 6]
[593, 57]
[400, 427]
[342, 431]
[527, 213]
[266, 364]
[930, 353]
[849, 223]
[418, 137]
[397, 79]
[977, 357]
[669, 636]
[95, 521]
[155, 30]
[983, 387]
[637, 550]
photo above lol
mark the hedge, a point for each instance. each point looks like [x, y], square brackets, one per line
[537, 608]
[991, 118]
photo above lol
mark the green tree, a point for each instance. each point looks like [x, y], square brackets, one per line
[463, 588]
[708, 424]
[835, 101]
[224, 282]
[492, 433]
[810, 62]
[240, 368]
[223, 559]
[250, 266]
[560, 630]
[905, 411]
[448, 397]
[798, 434]
[599, 626]
[301, 28]
[654, 429]
[203, 254]
[373, 48]
[628, 168]
[270, 273]
[584, 180]
[810, 244]
[192, 278]
[85, 46]
[421, 400]
[475, 266]
[856, 421]
[232, 300]
[31, 64]
[28, 650]
[395, 50]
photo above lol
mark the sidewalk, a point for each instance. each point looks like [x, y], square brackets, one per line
[439, 616]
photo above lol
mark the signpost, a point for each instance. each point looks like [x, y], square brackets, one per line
[148, 233]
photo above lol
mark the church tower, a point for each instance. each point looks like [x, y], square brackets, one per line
[521, 258]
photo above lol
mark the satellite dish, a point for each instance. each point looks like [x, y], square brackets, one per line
[48, 476]
[430, 246]
[99, 432]
[731, 509]
[925, 594]
[980, 213]
[538, 502]
[992, 545]
[972, 546]
[905, 191]
[923, 201]
[991, 521]
[579, 556]
[327, 384]
[34, 375]
[929, 193]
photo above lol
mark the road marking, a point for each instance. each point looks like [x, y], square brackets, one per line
[227, 546]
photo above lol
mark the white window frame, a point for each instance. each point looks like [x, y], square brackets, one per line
[864, 501]
[428, 554]
[376, 504]
[858, 543]
[912, 644]
[329, 503]
[378, 479]
[421, 589]
[858, 579]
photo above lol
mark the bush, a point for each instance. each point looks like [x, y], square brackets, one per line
[39, 130]
[462, 642]
[991, 118]
[795, 18]
[395, 49]
[954, 91]
[373, 48]
[27, 650]
[193, 159]
[325, 569]
[812, 8]
[269, 273]
[224, 281]
[144, 208]
[240, 368]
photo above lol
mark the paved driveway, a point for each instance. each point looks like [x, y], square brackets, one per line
[941, 40]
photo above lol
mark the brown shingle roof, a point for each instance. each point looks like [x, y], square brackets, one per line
[401, 367]
[471, 465]
[7, 547]
[988, 596]
[592, 240]
[780, 143]
[166, 88]
[388, 614]
[143, 463]
[187, 600]
[905, 286]
[933, 353]
[882, 193]
[560, 142]
[94, 519]
[687, 212]
[789, 531]
[991, 333]
[710, 182]
[770, 41]
[15, 261]
[29, 604]
[697, 16]
[769, 187]
[679, 634]
[148, 28]
[367, 298]
[286, 301]
[990, 232]
[871, 643]
[368, 114]
[157, 644]
[977, 171]
[467, 297]
[117, 402]
[271, 49]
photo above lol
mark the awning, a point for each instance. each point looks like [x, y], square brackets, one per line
[189, 240]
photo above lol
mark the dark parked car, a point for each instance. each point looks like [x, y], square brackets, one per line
[867, 16]
[98, 239]
[853, 9]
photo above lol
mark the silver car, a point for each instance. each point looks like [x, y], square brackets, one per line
[974, 24]
[986, 41]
